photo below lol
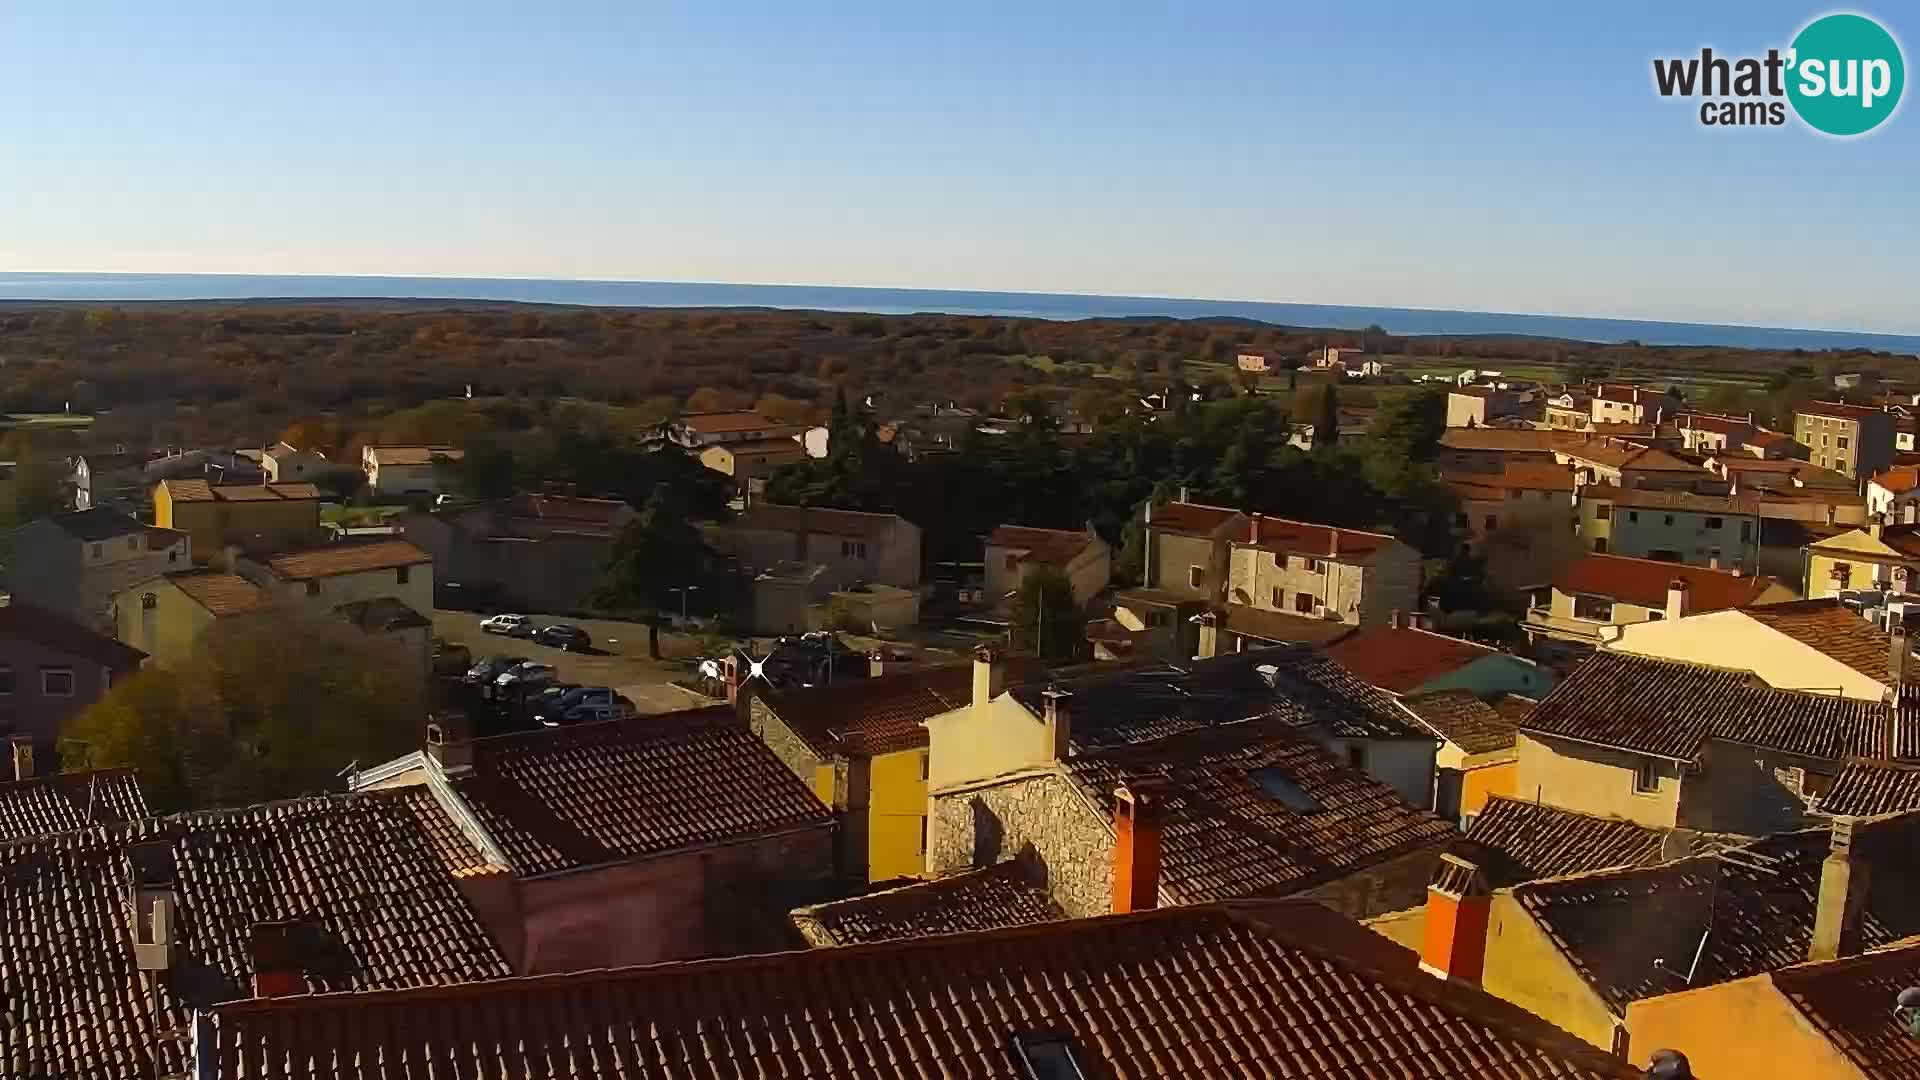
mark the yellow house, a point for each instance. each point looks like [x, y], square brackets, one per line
[861, 747]
[164, 617]
[257, 516]
[1477, 759]
[1879, 557]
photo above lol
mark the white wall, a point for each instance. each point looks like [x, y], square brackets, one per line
[1732, 639]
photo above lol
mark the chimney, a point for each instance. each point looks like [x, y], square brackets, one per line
[1393, 620]
[153, 905]
[876, 664]
[276, 973]
[1713, 562]
[1208, 645]
[1333, 543]
[22, 756]
[1059, 717]
[1458, 905]
[1677, 599]
[1843, 897]
[449, 742]
[1183, 493]
[1253, 528]
[1899, 662]
[989, 675]
[1876, 525]
[1136, 847]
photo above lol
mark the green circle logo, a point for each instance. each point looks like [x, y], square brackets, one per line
[1845, 74]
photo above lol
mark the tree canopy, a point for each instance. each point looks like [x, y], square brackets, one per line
[1044, 620]
[656, 553]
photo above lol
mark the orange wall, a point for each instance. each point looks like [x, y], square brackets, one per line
[1733, 1031]
[1476, 785]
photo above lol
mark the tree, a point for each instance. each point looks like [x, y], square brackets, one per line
[1326, 422]
[1410, 426]
[39, 487]
[1045, 620]
[248, 720]
[655, 553]
[486, 471]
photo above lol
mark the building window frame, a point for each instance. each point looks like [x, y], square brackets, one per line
[56, 682]
[1646, 777]
[6, 680]
[1591, 607]
[1196, 577]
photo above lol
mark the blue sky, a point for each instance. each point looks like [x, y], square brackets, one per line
[1507, 157]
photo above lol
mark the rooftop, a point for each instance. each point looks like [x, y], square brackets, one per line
[1520, 474]
[1277, 989]
[203, 491]
[722, 423]
[21, 621]
[1461, 718]
[814, 519]
[96, 524]
[1645, 582]
[1255, 809]
[1402, 659]
[986, 899]
[64, 801]
[221, 594]
[1306, 538]
[568, 797]
[369, 873]
[1902, 540]
[1053, 547]
[1825, 626]
[1502, 439]
[1282, 627]
[413, 455]
[1670, 709]
[871, 716]
[1634, 933]
[1192, 519]
[1837, 410]
[1725, 425]
[345, 557]
[1900, 479]
[1847, 1001]
[1867, 788]
[1520, 841]
[784, 446]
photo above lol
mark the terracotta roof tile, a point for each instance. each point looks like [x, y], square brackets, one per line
[1900, 479]
[188, 490]
[1403, 659]
[985, 899]
[1528, 841]
[221, 594]
[1670, 709]
[1279, 989]
[346, 557]
[1837, 410]
[21, 621]
[723, 423]
[360, 867]
[1724, 425]
[1827, 627]
[577, 796]
[1644, 582]
[1282, 627]
[1228, 833]
[1054, 547]
[1758, 901]
[1192, 519]
[66, 801]
[1296, 686]
[871, 716]
[1307, 538]
[1850, 1002]
[1868, 788]
[1464, 720]
[1519, 475]
[1535, 441]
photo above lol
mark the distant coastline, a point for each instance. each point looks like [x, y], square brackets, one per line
[17, 289]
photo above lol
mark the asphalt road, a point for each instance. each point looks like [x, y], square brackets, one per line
[619, 658]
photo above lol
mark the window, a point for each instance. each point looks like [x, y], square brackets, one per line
[1823, 440]
[1046, 1055]
[1746, 530]
[96, 551]
[1315, 566]
[1493, 522]
[1603, 512]
[1633, 515]
[56, 682]
[1303, 603]
[313, 588]
[6, 682]
[923, 835]
[1843, 574]
[1669, 520]
[1282, 787]
[173, 555]
[1646, 778]
[1714, 523]
[1357, 755]
[853, 549]
[1593, 608]
[1279, 598]
[925, 760]
[400, 574]
[1840, 443]
[149, 601]
[1196, 577]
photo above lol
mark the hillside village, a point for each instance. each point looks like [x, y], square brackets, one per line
[1620, 757]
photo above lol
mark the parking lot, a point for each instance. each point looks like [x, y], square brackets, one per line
[619, 657]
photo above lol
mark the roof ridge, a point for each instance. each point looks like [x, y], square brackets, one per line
[1609, 872]
[1610, 819]
[214, 815]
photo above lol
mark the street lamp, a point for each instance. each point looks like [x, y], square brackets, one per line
[683, 590]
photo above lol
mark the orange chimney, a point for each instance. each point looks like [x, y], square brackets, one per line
[1458, 905]
[1136, 848]
[275, 971]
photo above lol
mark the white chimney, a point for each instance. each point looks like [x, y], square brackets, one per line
[1059, 719]
[1677, 599]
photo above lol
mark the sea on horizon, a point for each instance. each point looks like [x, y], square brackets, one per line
[16, 287]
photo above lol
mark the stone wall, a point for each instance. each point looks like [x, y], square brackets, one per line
[1037, 819]
[786, 746]
[1394, 885]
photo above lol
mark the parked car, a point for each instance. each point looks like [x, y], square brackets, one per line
[619, 708]
[549, 709]
[486, 671]
[565, 636]
[525, 630]
[531, 673]
[502, 624]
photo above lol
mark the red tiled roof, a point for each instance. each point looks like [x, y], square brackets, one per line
[720, 423]
[1849, 1002]
[1900, 479]
[21, 621]
[872, 716]
[221, 594]
[1837, 410]
[1769, 438]
[1628, 393]
[1306, 538]
[1826, 627]
[1520, 475]
[1273, 989]
[1724, 425]
[1644, 582]
[1868, 788]
[65, 801]
[991, 898]
[1404, 659]
[1053, 547]
[328, 560]
[1191, 519]
[577, 796]
[1464, 720]
[365, 872]
[1526, 841]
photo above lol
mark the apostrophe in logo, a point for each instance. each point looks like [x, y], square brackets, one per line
[1846, 74]
[1842, 75]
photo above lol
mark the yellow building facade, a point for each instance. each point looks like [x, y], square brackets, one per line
[266, 516]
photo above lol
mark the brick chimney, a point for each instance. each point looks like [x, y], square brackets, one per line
[1253, 528]
[989, 675]
[1059, 719]
[1459, 903]
[449, 742]
[1843, 897]
[276, 971]
[1136, 847]
[1677, 600]
[1394, 620]
[22, 747]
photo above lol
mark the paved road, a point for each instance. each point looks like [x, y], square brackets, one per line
[619, 658]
